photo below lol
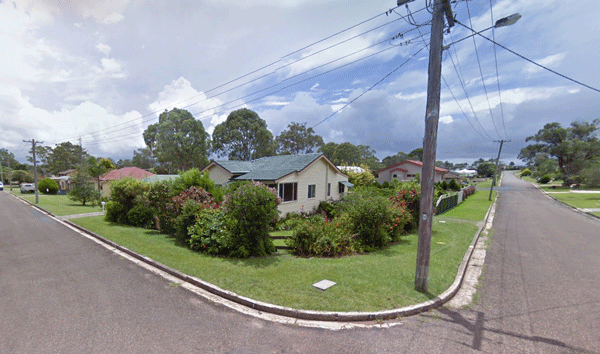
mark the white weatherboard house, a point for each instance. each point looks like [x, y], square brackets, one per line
[302, 181]
[406, 171]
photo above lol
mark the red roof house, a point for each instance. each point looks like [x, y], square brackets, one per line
[133, 172]
[406, 171]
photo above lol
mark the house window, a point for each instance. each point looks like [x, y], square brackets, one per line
[328, 189]
[395, 176]
[341, 188]
[312, 188]
[410, 176]
[288, 191]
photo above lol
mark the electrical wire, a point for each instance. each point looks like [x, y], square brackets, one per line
[370, 88]
[481, 73]
[533, 62]
[497, 74]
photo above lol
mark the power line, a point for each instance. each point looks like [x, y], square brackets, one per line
[531, 61]
[370, 88]
[481, 73]
[264, 67]
[497, 74]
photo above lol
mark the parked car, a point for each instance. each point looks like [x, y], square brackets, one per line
[1, 186]
[27, 188]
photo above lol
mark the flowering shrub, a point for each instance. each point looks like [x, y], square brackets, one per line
[209, 234]
[250, 209]
[409, 199]
[124, 191]
[320, 237]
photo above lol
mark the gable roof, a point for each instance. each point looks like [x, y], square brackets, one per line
[418, 163]
[133, 172]
[270, 168]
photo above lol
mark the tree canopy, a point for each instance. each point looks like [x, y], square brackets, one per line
[351, 155]
[243, 136]
[574, 147]
[178, 140]
[64, 156]
[298, 139]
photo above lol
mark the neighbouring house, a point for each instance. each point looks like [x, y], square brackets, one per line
[70, 173]
[452, 175]
[133, 172]
[302, 181]
[160, 178]
[467, 173]
[64, 183]
[406, 171]
[354, 169]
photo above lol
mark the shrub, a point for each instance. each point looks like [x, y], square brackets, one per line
[453, 185]
[125, 191]
[545, 179]
[48, 186]
[369, 216]
[83, 190]
[318, 237]
[168, 217]
[115, 212]
[444, 185]
[209, 233]
[526, 172]
[193, 178]
[250, 209]
[185, 220]
[159, 194]
[410, 199]
[141, 216]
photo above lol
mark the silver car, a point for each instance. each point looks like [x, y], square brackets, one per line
[27, 188]
[1, 186]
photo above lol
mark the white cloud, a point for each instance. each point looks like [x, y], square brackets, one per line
[446, 119]
[411, 97]
[112, 18]
[315, 86]
[180, 94]
[110, 65]
[549, 61]
[103, 48]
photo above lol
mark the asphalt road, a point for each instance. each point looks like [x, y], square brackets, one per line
[62, 293]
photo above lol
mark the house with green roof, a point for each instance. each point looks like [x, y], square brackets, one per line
[302, 181]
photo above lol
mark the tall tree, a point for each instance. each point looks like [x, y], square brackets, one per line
[416, 154]
[351, 155]
[96, 167]
[243, 136]
[143, 158]
[298, 139]
[390, 160]
[65, 156]
[574, 147]
[178, 140]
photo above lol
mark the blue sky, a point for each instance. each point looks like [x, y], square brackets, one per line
[101, 70]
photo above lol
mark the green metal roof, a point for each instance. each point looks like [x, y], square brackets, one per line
[269, 168]
[158, 178]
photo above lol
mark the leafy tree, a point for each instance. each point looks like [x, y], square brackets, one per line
[83, 190]
[390, 160]
[21, 176]
[416, 154]
[178, 139]
[365, 178]
[351, 155]
[298, 139]
[42, 154]
[574, 147]
[65, 156]
[8, 158]
[243, 136]
[48, 186]
[96, 167]
[124, 163]
[486, 169]
[143, 158]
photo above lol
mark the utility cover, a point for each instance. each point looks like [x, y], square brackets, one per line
[324, 284]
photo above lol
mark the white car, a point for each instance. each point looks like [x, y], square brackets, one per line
[1, 186]
[27, 188]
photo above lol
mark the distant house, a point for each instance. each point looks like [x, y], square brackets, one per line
[65, 173]
[133, 172]
[64, 183]
[302, 181]
[405, 171]
[452, 175]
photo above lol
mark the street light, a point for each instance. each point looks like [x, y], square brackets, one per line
[503, 22]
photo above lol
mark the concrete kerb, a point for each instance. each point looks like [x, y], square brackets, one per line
[549, 195]
[291, 312]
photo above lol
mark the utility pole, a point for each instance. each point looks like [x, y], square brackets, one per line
[1, 172]
[496, 168]
[9, 174]
[432, 116]
[34, 168]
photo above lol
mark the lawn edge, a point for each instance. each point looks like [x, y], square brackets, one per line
[288, 311]
[574, 208]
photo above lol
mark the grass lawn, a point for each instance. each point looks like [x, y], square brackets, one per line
[579, 200]
[370, 282]
[59, 204]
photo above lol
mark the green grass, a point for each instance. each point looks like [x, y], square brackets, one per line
[579, 200]
[376, 281]
[485, 184]
[59, 204]
[370, 282]
[597, 214]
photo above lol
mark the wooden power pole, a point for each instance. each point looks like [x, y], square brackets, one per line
[33, 142]
[496, 168]
[430, 140]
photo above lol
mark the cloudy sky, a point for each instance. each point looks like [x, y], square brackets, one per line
[102, 71]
